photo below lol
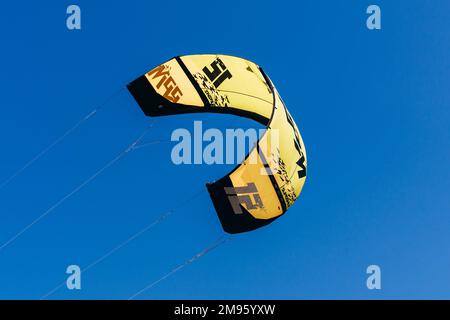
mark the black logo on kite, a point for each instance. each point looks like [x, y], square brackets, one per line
[301, 161]
[219, 72]
[301, 164]
[243, 195]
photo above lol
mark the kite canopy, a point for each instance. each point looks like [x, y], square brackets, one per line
[256, 192]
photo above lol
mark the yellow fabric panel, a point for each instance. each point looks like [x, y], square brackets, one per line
[171, 82]
[249, 172]
[284, 161]
[233, 82]
[277, 147]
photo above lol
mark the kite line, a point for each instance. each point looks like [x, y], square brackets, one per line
[78, 188]
[162, 217]
[58, 140]
[217, 243]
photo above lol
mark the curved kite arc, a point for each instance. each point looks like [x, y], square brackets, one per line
[254, 193]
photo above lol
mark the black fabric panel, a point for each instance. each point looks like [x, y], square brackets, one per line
[153, 104]
[231, 222]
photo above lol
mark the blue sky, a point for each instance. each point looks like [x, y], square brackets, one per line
[372, 107]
